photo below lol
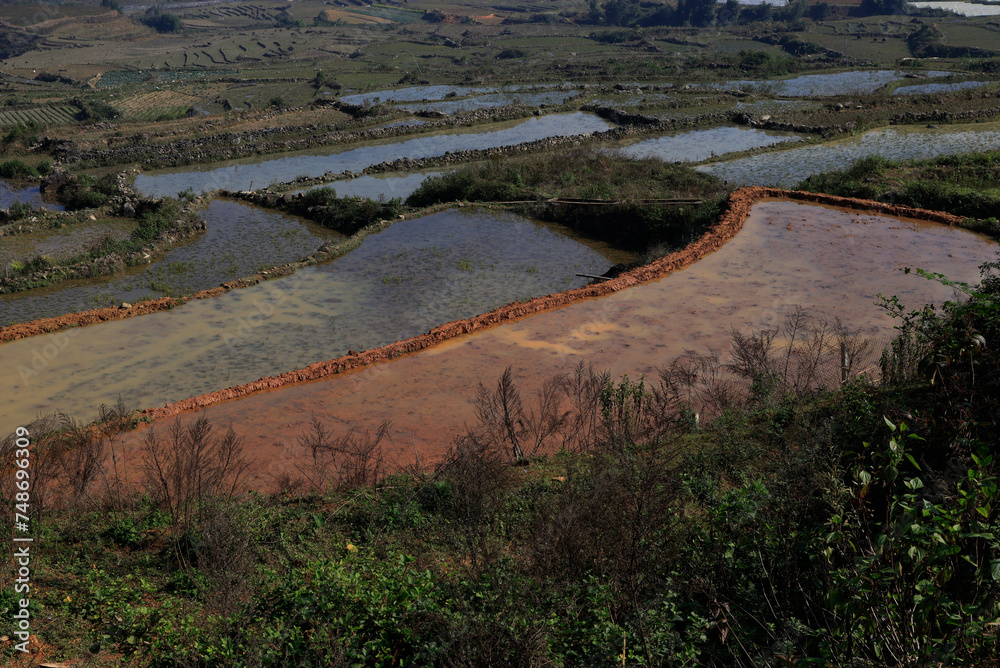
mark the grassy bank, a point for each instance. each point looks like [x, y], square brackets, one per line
[964, 185]
[855, 524]
[157, 229]
[625, 217]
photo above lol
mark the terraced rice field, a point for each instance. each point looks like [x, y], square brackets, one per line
[830, 260]
[152, 105]
[399, 283]
[50, 114]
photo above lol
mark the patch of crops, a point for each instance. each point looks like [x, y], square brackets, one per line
[391, 13]
[157, 105]
[121, 78]
[126, 77]
[47, 115]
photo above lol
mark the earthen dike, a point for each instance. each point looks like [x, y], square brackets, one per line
[725, 228]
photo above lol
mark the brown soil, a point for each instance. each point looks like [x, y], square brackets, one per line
[728, 225]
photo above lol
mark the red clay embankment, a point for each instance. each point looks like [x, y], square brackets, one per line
[724, 229]
[728, 225]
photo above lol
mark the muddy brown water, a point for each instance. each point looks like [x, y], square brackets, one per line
[834, 262]
[63, 242]
[398, 283]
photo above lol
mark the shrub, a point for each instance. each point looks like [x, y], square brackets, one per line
[25, 132]
[162, 21]
[19, 210]
[94, 110]
[15, 169]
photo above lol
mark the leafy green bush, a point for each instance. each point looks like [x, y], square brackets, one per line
[15, 169]
[627, 221]
[95, 110]
[916, 569]
[162, 21]
[26, 132]
[346, 215]
[965, 185]
[89, 192]
[19, 210]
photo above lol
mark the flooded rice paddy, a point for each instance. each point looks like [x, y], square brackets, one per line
[927, 89]
[423, 94]
[245, 174]
[962, 8]
[376, 186]
[399, 283]
[412, 94]
[240, 241]
[833, 262]
[841, 83]
[14, 193]
[490, 100]
[786, 168]
[63, 242]
[704, 144]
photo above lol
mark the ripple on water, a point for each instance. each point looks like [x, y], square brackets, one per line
[787, 168]
[244, 174]
[375, 186]
[492, 100]
[926, 89]
[63, 242]
[399, 283]
[854, 82]
[13, 193]
[703, 144]
[240, 240]
[833, 262]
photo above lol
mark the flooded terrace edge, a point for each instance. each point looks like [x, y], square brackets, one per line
[723, 230]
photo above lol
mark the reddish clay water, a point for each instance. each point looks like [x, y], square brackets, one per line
[832, 261]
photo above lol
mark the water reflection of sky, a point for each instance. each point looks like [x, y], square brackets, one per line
[11, 193]
[840, 83]
[786, 168]
[248, 173]
[240, 241]
[703, 144]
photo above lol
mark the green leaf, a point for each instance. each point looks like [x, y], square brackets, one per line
[891, 426]
[995, 570]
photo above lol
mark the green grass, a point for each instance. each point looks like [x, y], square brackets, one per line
[965, 185]
[584, 175]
